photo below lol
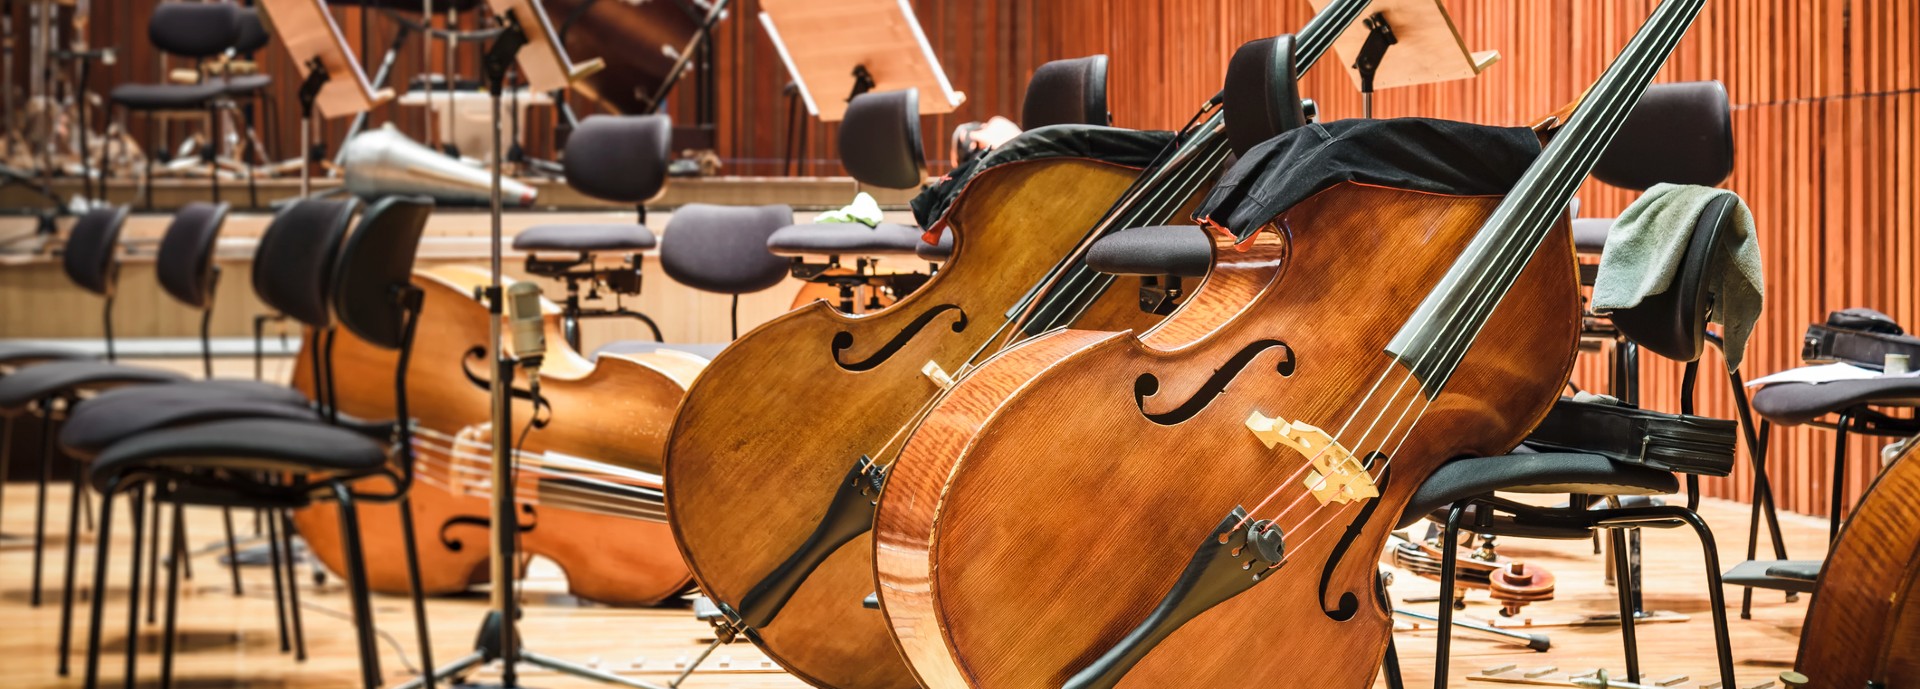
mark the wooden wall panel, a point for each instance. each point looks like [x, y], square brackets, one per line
[1823, 90]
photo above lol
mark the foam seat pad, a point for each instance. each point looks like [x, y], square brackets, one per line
[167, 96]
[1800, 576]
[1183, 250]
[247, 83]
[1543, 472]
[845, 238]
[245, 445]
[1590, 234]
[120, 414]
[29, 384]
[586, 238]
[704, 351]
[15, 353]
[1793, 404]
[936, 252]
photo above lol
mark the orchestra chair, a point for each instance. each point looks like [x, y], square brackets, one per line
[613, 158]
[252, 88]
[186, 271]
[90, 259]
[1072, 91]
[718, 249]
[1462, 493]
[880, 146]
[240, 462]
[292, 274]
[196, 30]
[1880, 407]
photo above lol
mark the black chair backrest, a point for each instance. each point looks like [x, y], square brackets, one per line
[293, 267]
[376, 265]
[184, 263]
[194, 29]
[1262, 94]
[1678, 133]
[880, 139]
[1673, 323]
[724, 248]
[1067, 92]
[91, 245]
[620, 158]
[251, 33]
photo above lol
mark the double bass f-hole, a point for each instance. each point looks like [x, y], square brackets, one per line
[1350, 603]
[528, 520]
[843, 340]
[542, 409]
[1148, 385]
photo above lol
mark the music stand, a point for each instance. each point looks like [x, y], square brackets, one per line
[833, 47]
[331, 77]
[1427, 47]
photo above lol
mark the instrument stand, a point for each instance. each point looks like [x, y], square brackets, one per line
[309, 153]
[1379, 38]
[498, 639]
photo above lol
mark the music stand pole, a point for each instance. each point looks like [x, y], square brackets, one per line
[498, 639]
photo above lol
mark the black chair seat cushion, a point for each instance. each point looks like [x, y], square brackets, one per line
[1792, 404]
[27, 385]
[853, 239]
[585, 238]
[119, 414]
[1181, 250]
[1542, 472]
[704, 351]
[168, 96]
[1590, 234]
[246, 84]
[17, 353]
[937, 252]
[1800, 576]
[245, 445]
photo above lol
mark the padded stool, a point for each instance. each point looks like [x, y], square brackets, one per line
[613, 158]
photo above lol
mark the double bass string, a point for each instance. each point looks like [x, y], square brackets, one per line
[601, 493]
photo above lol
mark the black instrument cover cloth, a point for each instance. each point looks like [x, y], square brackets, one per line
[1859, 336]
[1416, 154]
[1672, 442]
[1127, 147]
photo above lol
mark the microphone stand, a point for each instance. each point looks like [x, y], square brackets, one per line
[499, 639]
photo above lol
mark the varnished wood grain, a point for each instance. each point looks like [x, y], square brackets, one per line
[1864, 626]
[1038, 515]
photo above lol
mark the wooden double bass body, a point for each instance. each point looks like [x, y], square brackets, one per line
[770, 429]
[614, 410]
[1054, 496]
[1863, 629]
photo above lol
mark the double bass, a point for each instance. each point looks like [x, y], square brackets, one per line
[1863, 628]
[1203, 504]
[588, 493]
[780, 446]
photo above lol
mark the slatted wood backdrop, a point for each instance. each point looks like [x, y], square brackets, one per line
[1824, 95]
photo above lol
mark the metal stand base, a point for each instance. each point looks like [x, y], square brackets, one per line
[487, 650]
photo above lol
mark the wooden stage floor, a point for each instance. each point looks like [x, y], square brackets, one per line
[230, 641]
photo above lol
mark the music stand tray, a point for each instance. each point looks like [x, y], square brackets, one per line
[1428, 50]
[308, 31]
[825, 42]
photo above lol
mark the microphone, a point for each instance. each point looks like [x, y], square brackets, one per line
[525, 322]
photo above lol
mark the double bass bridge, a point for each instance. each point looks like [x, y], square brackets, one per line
[1336, 475]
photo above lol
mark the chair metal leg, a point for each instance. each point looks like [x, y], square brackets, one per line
[1723, 642]
[40, 509]
[357, 587]
[293, 587]
[1449, 556]
[1835, 510]
[233, 552]
[6, 457]
[279, 584]
[1623, 586]
[153, 558]
[96, 611]
[170, 631]
[419, 596]
[136, 508]
[73, 561]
